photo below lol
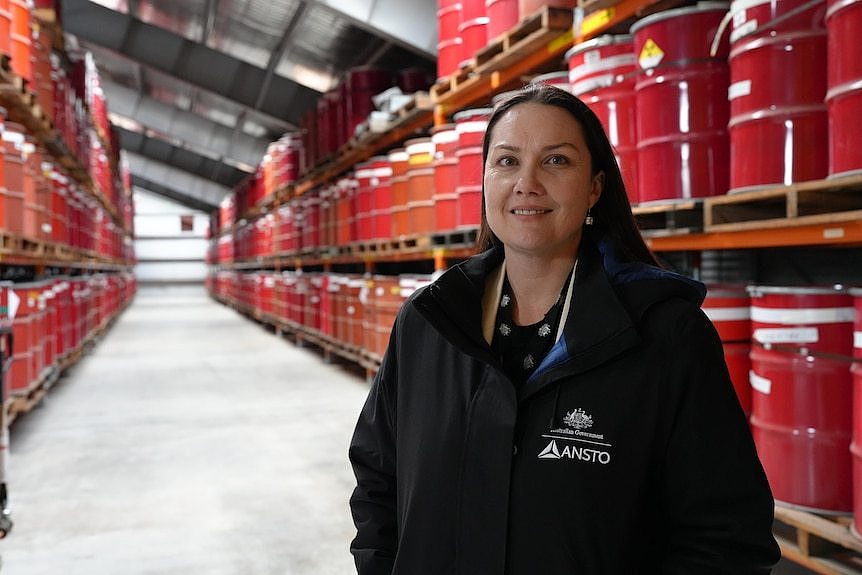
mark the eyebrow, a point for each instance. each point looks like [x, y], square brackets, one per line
[544, 149]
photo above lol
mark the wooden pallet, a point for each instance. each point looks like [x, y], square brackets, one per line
[820, 543]
[419, 103]
[455, 238]
[670, 218]
[454, 81]
[816, 202]
[547, 25]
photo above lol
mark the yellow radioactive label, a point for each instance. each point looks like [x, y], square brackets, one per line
[651, 54]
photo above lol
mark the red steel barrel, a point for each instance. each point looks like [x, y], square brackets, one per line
[448, 40]
[13, 178]
[778, 119]
[420, 185]
[364, 200]
[21, 39]
[470, 126]
[802, 400]
[729, 309]
[682, 109]
[445, 139]
[856, 444]
[5, 27]
[472, 28]
[502, 16]
[602, 73]
[844, 86]
[381, 205]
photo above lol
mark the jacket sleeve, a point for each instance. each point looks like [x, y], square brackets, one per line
[372, 454]
[718, 503]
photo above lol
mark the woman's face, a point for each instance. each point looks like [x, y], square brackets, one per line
[538, 181]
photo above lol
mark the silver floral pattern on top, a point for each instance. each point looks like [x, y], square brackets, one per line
[504, 301]
[529, 362]
[544, 330]
[505, 329]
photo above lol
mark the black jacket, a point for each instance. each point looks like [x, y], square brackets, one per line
[626, 452]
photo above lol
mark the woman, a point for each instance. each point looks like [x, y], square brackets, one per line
[556, 404]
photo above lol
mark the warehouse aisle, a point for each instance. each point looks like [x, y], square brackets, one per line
[190, 441]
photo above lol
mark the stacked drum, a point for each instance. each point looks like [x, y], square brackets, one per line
[381, 207]
[844, 87]
[682, 109]
[445, 139]
[778, 120]
[420, 185]
[802, 394]
[399, 160]
[448, 39]
[472, 28]
[602, 73]
[728, 307]
[470, 126]
[856, 445]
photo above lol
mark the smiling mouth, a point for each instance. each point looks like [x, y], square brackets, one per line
[529, 212]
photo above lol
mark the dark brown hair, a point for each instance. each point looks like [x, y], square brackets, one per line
[612, 214]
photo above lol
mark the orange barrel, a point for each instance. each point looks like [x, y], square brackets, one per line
[381, 200]
[602, 73]
[420, 185]
[399, 159]
[445, 139]
[355, 312]
[364, 200]
[801, 413]
[387, 295]
[472, 28]
[502, 16]
[21, 39]
[844, 86]
[13, 177]
[856, 444]
[778, 118]
[556, 79]
[729, 309]
[52, 331]
[470, 126]
[682, 108]
[5, 27]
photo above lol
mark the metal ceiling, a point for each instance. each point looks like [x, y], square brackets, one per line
[199, 88]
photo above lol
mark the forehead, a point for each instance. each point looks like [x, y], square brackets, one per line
[538, 122]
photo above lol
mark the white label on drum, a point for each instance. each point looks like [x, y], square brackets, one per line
[795, 316]
[744, 30]
[760, 384]
[651, 55]
[592, 56]
[739, 89]
[857, 339]
[787, 335]
[738, 18]
[727, 313]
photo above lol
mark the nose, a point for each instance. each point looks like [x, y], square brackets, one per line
[528, 181]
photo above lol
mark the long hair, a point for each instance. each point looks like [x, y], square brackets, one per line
[612, 214]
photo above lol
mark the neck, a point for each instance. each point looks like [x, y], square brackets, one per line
[536, 284]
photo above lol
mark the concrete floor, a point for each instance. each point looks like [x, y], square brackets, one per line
[190, 441]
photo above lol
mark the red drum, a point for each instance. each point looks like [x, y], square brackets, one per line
[5, 27]
[470, 126]
[362, 85]
[802, 395]
[502, 16]
[844, 87]
[778, 119]
[474, 37]
[602, 73]
[311, 221]
[448, 57]
[804, 320]
[856, 445]
[728, 307]
[682, 109]
[12, 189]
[381, 197]
[364, 200]
[801, 420]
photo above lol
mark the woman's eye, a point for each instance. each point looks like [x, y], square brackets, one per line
[558, 160]
[506, 161]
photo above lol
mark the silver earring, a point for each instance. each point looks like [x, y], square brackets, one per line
[588, 221]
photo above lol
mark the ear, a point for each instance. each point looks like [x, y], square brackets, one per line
[598, 186]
